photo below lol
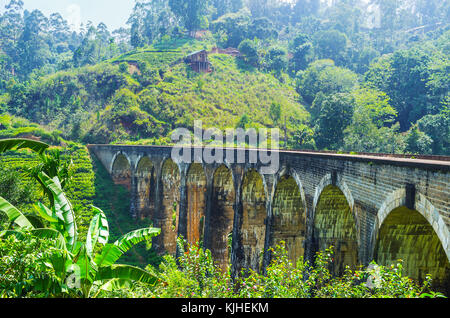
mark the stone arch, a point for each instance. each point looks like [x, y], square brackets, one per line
[121, 170]
[341, 184]
[253, 228]
[222, 215]
[334, 224]
[122, 157]
[289, 217]
[422, 205]
[168, 216]
[146, 186]
[196, 185]
[291, 172]
[418, 236]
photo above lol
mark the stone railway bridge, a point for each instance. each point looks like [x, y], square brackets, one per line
[369, 207]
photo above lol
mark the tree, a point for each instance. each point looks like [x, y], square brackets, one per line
[403, 76]
[11, 28]
[371, 129]
[323, 76]
[59, 28]
[243, 122]
[302, 51]
[336, 112]
[33, 50]
[192, 13]
[437, 127]
[136, 23]
[258, 8]
[303, 138]
[376, 105]
[232, 28]
[417, 142]
[331, 44]
[277, 60]
[150, 21]
[222, 7]
[261, 28]
[249, 51]
[303, 8]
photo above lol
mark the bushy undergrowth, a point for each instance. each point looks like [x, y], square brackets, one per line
[23, 263]
[194, 275]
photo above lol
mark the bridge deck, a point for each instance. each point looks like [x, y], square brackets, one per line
[441, 162]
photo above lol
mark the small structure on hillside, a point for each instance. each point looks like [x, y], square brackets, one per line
[199, 61]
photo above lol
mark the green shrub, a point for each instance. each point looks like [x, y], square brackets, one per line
[23, 263]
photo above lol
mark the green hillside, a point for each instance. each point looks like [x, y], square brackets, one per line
[145, 94]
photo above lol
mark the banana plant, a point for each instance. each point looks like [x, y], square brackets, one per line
[92, 262]
[88, 263]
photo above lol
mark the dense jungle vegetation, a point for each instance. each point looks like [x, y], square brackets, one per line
[361, 76]
[344, 75]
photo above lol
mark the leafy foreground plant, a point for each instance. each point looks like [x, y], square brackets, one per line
[77, 267]
[304, 280]
[194, 275]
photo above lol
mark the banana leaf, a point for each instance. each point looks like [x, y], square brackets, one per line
[112, 252]
[14, 215]
[8, 233]
[125, 272]
[63, 207]
[18, 143]
[115, 284]
[51, 234]
[45, 213]
[98, 231]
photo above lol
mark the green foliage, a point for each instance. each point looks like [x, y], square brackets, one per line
[190, 12]
[437, 127]
[23, 263]
[249, 50]
[335, 114]
[417, 142]
[194, 275]
[331, 44]
[114, 201]
[16, 144]
[231, 28]
[371, 129]
[275, 112]
[285, 279]
[90, 268]
[128, 96]
[408, 77]
[323, 76]
[19, 192]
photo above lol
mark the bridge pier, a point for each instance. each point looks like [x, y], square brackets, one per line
[311, 201]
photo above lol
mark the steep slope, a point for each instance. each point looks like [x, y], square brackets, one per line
[143, 95]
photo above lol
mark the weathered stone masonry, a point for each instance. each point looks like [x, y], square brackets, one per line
[368, 207]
